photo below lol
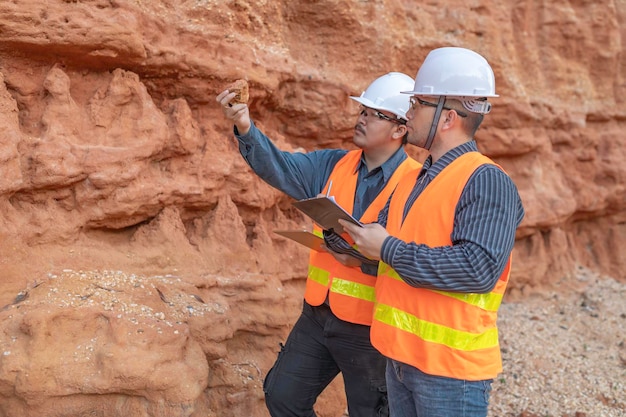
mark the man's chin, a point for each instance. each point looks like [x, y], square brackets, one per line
[416, 143]
[359, 140]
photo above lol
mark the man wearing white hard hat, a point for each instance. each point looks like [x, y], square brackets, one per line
[444, 242]
[332, 333]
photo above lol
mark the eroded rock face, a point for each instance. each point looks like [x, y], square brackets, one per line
[139, 272]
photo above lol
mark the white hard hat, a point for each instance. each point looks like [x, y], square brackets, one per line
[457, 73]
[384, 93]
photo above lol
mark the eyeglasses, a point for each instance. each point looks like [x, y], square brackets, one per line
[364, 112]
[415, 100]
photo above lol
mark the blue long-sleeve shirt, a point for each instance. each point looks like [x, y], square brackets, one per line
[304, 175]
[486, 218]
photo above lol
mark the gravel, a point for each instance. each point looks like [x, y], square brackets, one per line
[564, 352]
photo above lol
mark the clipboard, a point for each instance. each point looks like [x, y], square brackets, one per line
[325, 212]
[303, 237]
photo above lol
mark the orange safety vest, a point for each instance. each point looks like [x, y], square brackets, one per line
[441, 333]
[350, 291]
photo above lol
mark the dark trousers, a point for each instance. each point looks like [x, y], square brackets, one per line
[319, 347]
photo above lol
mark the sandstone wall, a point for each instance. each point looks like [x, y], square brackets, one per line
[139, 272]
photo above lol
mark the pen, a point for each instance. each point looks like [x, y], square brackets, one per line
[330, 184]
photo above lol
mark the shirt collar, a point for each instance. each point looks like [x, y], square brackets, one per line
[389, 166]
[433, 169]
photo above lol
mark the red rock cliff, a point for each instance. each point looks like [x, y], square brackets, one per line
[139, 272]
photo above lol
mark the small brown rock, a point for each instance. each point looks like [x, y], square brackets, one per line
[240, 87]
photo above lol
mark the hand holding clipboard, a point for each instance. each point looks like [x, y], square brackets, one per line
[325, 212]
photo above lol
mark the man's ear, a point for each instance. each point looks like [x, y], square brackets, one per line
[451, 117]
[400, 131]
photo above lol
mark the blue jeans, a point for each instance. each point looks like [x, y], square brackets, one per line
[319, 347]
[413, 393]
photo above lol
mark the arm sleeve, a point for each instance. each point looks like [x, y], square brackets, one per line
[483, 236]
[299, 175]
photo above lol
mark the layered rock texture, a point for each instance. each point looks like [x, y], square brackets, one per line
[139, 275]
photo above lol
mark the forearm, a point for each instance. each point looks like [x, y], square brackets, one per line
[299, 175]
[465, 268]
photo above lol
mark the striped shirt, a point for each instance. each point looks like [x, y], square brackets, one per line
[486, 218]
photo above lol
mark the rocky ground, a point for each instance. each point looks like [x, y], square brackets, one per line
[564, 349]
[564, 352]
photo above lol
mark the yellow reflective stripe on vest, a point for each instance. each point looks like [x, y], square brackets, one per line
[353, 289]
[385, 269]
[319, 275]
[487, 302]
[435, 333]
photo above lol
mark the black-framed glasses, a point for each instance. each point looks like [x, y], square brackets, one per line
[364, 112]
[416, 100]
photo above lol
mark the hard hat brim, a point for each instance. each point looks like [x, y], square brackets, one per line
[432, 94]
[369, 103]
